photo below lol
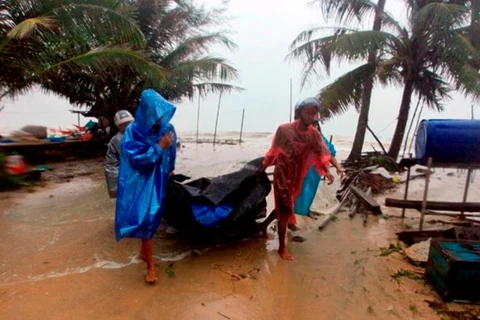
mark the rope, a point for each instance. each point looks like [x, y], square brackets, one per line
[388, 125]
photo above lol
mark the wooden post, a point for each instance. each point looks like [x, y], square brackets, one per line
[216, 121]
[465, 193]
[291, 102]
[241, 127]
[425, 193]
[405, 196]
[198, 117]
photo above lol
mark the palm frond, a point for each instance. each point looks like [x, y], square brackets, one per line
[431, 87]
[344, 45]
[468, 81]
[206, 88]
[388, 72]
[101, 60]
[209, 68]
[197, 45]
[439, 16]
[346, 91]
[347, 12]
[26, 27]
[97, 23]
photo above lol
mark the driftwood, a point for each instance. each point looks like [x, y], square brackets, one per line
[366, 200]
[434, 205]
[345, 199]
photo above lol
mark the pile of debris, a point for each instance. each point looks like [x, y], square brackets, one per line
[364, 178]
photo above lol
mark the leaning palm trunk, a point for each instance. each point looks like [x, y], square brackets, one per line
[402, 119]
[362, 124]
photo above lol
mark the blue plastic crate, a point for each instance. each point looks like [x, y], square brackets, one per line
[453, 269]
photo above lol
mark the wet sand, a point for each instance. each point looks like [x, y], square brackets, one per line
[59, 260]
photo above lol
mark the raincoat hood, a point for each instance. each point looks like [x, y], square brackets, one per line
[309, 102]
[151, 107]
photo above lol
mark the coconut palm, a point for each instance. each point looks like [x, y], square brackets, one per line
[179, 37]
[40, 39]
[177, 41]
[344, 12]
[418, 57]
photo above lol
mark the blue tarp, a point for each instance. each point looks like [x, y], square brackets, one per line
[144, 169]
[310, 186]
[210, 215]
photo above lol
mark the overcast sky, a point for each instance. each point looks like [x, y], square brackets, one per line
[263, 31]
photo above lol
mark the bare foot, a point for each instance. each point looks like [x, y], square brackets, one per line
[262, 229]
[293, 227]
[285, 254]
[151, 276]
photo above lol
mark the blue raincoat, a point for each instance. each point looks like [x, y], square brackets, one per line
[310, 186]
[144, 169]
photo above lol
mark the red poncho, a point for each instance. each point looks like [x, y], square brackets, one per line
[293, 153]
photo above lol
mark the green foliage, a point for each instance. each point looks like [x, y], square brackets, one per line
[437, 50]
[393, 248]
[402, 273]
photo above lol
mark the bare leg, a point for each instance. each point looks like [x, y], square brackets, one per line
[141, 253]
[282, 231]
[264, 225]
[147, 247]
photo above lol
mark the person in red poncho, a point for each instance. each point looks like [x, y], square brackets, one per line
[296, 147]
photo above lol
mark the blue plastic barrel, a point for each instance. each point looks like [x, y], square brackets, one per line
[450, 142]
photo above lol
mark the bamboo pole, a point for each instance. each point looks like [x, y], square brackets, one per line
[465, 193]
[198, 118]
[216, 121]
[416, 128]
[241, 127]
[425, 193]
[410, 127]
[405, 196]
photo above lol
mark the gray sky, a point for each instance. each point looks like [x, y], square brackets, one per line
[263, 31]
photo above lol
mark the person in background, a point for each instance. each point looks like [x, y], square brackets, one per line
[296, 147]
[112, 159]
[147, 161]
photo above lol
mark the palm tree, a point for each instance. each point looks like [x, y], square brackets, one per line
[344, 11]
[179, 36]
[177, 42]
[40, 39]
[418, 56]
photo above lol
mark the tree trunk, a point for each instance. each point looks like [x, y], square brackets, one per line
[402, 119]
[362, 123]
[475, 24]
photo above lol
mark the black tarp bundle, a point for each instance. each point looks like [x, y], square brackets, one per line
[244, 190]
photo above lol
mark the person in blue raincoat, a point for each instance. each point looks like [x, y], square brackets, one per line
[147, 161]
[312, 179]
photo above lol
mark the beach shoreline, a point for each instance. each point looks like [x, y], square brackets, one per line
[66, 263]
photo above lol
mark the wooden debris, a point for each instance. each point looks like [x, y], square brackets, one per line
[434, 205]
[366, 200]
[336, 211]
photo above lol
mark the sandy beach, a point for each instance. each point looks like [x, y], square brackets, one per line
[60, 259]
